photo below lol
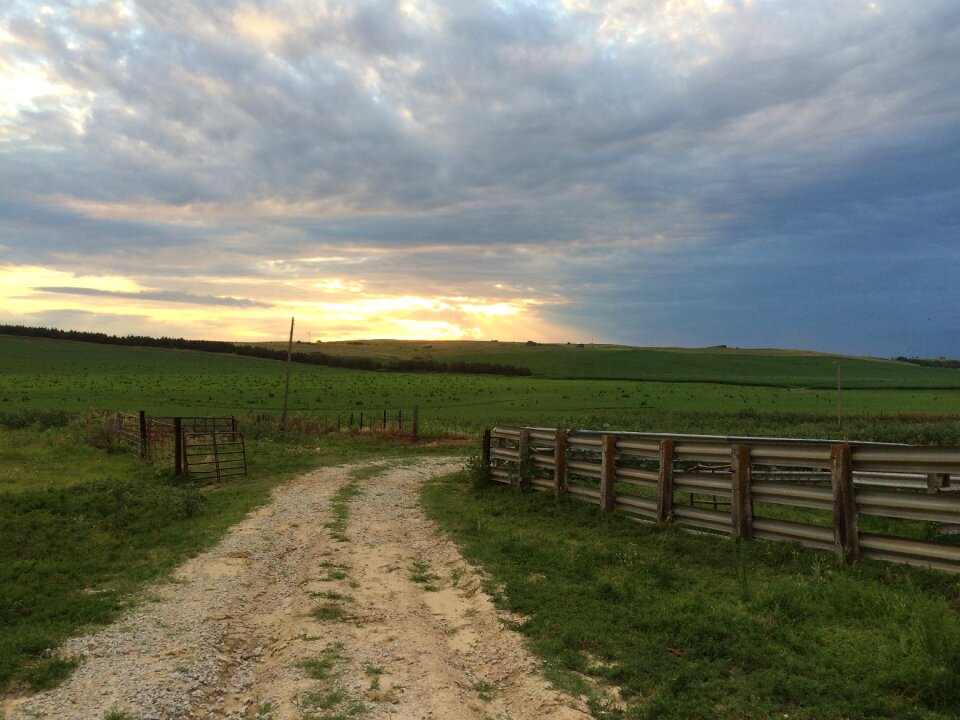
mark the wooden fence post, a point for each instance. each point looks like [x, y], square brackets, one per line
[143, 433]
[178, 446]
[485, 451]
[665, 482]
[608, 473]
[741, 505]
[560, 463]
[523, 459]
[415, 423]
[937, 481]
[384, 427]
[845, 533]
[399, 420]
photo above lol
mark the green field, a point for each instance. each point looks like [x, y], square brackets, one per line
[660, 615]
[41, 374]
[778, 368]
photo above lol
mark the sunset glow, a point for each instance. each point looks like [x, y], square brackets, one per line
[680, 172]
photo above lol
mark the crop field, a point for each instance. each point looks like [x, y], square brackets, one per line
[777, 368]
[41, 374]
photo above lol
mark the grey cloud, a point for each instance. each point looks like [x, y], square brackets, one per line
[161, 295]
[786, 131]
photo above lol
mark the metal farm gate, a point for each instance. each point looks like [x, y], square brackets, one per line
[201, 447]
[214, 455]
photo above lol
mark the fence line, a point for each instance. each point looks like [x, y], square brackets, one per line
[848, 498]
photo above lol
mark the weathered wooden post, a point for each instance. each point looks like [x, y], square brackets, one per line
[399, 420]
[415, 433]
[485, 453]
[143, 433]
[741, 505]
[523, 459]
[361, 422]
[178, 446]
[560, 463]
[665, 482]
[608, 473]
[384, 427]
[845, 534]
[937, 482]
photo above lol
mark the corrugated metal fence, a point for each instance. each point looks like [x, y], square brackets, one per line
[882, 501]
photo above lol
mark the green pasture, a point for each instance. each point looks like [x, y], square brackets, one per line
[650, 622]
[779, 368]
[54, 375]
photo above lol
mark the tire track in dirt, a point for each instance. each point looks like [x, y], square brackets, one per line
[403, 629]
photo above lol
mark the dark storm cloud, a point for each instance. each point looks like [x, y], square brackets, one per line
[789, 163]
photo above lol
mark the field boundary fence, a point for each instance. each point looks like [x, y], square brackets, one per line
[387, 421]
[857, 499]
[202, 447]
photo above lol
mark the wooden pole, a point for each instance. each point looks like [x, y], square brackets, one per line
[143, 433]
[665, 482]
[286, 387]
[178, 446]
[741, 506]
[523, 458]
[608, 470]
[560, 463]
[384, 428]
[845, 533]
[485, 451]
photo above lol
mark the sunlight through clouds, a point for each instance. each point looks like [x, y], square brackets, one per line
[527, 170]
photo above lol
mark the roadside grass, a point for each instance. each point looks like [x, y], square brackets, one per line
[652, 622]
[329, 700]
[80, 539]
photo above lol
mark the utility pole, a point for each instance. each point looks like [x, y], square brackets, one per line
[286, 389]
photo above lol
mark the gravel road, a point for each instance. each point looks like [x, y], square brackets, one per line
[287, 619]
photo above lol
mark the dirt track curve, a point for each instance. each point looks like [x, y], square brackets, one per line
[403, 628]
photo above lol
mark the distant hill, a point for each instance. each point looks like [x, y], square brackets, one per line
[735, 366]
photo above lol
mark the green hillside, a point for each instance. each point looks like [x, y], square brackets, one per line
[779, 368]
[43, 374]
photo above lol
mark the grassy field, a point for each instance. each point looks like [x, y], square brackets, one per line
[39, 374]
[776, 368]
[651, 622]
[665, 617]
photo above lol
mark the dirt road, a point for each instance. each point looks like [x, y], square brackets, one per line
[290, 617]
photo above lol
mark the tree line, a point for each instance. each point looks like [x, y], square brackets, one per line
[930, 362]
[229, 348]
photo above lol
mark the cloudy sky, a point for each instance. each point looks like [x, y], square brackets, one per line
[755, 173]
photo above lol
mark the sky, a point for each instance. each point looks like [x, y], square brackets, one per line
[753, 173]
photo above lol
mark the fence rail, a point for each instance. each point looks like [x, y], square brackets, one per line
[858, 499]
